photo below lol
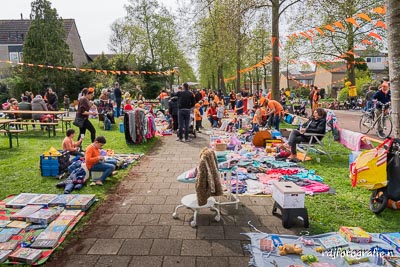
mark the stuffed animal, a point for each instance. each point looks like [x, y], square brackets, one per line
[290, 249]
[309, 258]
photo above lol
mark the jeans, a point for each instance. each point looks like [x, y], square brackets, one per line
[214, 122]
[87, 125]
[369, 105]
[118, 108]
[184, 122]
[276, 120]
[295, 138]
[106, 168]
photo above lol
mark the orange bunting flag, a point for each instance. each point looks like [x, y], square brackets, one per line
[83, 70]
[306, 35]
[320, 31]
[105, 72]
[137, 72]
[339, 25]
[50, 67]
[364, 16]
[329, 27]
[40, 66]
[295, 35]
[375, 35]
[353, 21]
[60, 68]
[29, 64]
[118, 72]
[311, 32]
[112, 72]
[124, 72]
[380, 10]
[380, 24]
[365, 41]
[293, 61]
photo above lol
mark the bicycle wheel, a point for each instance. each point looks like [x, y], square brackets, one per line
[378, 200]
[366, 124]
[386, 127]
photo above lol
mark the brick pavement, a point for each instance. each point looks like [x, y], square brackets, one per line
[134, 226]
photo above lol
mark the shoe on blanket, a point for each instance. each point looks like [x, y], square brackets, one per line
[114, 173]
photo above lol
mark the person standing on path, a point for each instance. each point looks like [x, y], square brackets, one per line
[186, 101]
[118, 99]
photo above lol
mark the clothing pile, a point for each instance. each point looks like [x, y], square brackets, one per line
[138, 126]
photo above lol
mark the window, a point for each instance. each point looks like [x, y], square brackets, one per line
[373, 60]
[14, 57]
[368, 60]
[21, 59]
[378, 59]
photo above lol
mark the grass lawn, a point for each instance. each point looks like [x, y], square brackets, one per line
[20, 166]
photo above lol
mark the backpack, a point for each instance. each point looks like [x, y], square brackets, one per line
[107, 123]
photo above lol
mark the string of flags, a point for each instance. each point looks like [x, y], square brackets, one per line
[105, 72]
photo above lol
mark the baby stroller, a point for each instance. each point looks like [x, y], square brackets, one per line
[380, 197]
[301, 110]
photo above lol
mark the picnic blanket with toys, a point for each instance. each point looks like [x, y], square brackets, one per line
[32, 226]
[347, 247]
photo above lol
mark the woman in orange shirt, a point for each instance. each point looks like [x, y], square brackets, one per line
[275, 111]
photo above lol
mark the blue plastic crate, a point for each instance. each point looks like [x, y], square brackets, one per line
[49, 171]
[49, 161]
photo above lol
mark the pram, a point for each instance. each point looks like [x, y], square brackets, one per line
[380, 197]
[300, 110]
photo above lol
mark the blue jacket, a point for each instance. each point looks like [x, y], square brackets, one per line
[382, 97]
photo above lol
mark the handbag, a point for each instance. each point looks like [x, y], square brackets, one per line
[79, 122]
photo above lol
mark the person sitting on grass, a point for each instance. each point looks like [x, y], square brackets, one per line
[69, 145]
[316, 125]
[96, 162]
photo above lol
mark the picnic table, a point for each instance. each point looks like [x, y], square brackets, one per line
[50, 125]
[5, 128]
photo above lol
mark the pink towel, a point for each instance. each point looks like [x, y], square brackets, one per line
[352, 140]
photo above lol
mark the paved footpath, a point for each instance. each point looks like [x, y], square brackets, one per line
[134, 226]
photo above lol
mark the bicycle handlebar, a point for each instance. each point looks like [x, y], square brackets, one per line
[382, 104]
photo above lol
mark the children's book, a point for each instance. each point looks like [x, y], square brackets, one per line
[13, 231]
[45, 243]
[18, 224]
[4, 254]
[81, 202]
[26, 255]
[3, 223]
[43, 199]
[355, 234]
[25, 212]
[5, 237]
[333, 241]
[62, 200]
[10, 245]
[44, 216]
[392, 239]
[21, 200]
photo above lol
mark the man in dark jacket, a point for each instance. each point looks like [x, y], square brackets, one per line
[382, 97]
[186, 101]
[25, 105]
[118, 99]
[173, 110]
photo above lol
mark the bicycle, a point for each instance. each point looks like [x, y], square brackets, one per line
[368, 121]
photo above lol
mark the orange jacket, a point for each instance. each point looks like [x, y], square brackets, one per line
[92, 156]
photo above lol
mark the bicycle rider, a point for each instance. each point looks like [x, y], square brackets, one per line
[381, 97]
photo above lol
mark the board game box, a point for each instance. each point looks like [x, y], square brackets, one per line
[4, 254]
[21, 200]
[26, 255]
[333, 241]
[44, 216]
[45, 243]
[25, 212]
[43, 199]
[62, 200]
[81, 202]
[355, 234]
[5, 237]
[9, 245]
[3, 223]
[18, 224]
[13, 231]
[392, 239]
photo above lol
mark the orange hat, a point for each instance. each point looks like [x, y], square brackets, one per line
[90, 89]
[197, 105]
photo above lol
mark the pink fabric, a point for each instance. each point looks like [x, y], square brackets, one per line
[267, 178]
[315, 187]
[352, 140]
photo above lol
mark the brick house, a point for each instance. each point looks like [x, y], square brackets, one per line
[13, 33]
[330, 75]
[296, 80]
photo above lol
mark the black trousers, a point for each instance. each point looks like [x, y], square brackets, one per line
[87, 126]
[295, 138]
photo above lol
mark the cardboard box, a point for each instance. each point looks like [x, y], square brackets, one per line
[355, 234]
[288, 195]
[220, 146]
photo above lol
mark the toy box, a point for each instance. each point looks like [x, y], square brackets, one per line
[288, 195]
[355, 234]
[26, 255]
[392, 239]
[21, 200]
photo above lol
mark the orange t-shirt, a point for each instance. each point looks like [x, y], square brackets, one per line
[273, 104]
[163, 95]
[216, 99]
[261, 101]
[197, 115]
[92, 156]
[269, 95]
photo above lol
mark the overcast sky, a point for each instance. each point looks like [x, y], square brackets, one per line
[93, 17]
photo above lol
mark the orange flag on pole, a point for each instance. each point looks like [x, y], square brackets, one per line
[339, 25]
[365, 41]
[307, 36]
[364, 16]
[353, 21]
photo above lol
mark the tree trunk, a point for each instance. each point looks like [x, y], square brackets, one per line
[393, 23]
[213, 82]
[275, 50]
[350, 59]
[221, 83]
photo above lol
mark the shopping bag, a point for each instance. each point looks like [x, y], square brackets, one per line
[369, 169]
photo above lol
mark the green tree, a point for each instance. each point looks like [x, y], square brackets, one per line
[45, 45]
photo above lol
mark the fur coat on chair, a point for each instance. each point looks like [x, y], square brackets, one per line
[208, 178]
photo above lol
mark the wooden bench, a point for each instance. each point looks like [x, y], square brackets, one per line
[65, 121]
[12, 133]
[50, 125]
